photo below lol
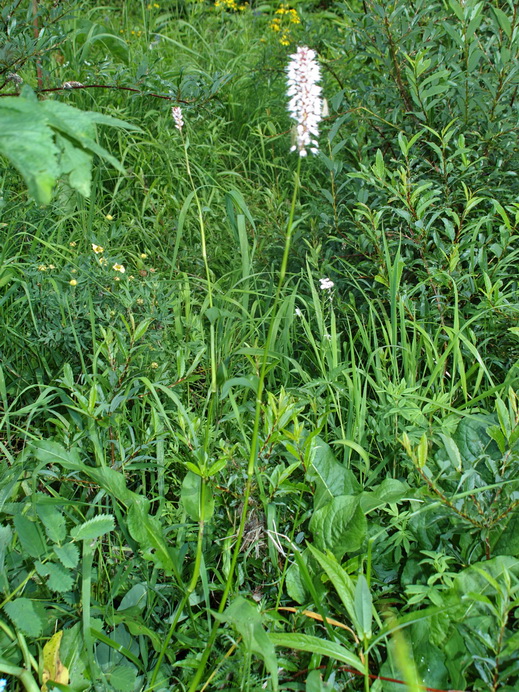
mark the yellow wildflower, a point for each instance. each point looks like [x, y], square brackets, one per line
[119, 268]
[109, 217]
[97, 249]
[143, 255]
[42, 268]
[154, 365]
[73, 282]
[73, 243]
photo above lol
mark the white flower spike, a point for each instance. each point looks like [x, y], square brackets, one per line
[326, 284]
[176, 112]
[305, 105]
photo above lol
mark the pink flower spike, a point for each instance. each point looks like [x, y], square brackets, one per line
[176, 112]
[305, 105]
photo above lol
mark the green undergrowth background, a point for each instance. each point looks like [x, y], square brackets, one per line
[381, 534]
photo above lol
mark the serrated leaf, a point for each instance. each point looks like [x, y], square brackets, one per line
[53, 521]
[26, 616]
[34, 154]
[59, 578]
[93, 528]
[30, 536]
[67, 554]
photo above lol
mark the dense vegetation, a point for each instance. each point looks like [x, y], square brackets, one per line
[259, 423]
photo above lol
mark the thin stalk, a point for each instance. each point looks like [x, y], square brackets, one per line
[255, 435]
[212, 335]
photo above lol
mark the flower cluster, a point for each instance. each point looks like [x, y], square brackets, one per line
[230, 5]
[305, 105]
[176, 112]
[326, 284]
[281, 24]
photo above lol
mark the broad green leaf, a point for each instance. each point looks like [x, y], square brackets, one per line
[114, 483]
[50, 452]
[314, 645]
[59, 578]
[339, 526]
[147, 531]
[26, 615]
[245, 618]
[77, 164]
[191, 497]
[123, 678]
[331, 478]
[93, 528]
[30, 536]
[363, 608]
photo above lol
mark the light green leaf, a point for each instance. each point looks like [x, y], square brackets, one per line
[52, 520]
[363, 608]
[67, 554]
[123, 678]
[93, 528]
[191, 497]
[314, 645]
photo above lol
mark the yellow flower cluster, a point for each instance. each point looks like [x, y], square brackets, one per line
[152, 6]
[282, 23]
[230, 5]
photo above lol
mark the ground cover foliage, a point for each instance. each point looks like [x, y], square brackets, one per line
[160, 528]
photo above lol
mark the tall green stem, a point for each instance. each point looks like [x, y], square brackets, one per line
[207, 271]
[255, 434]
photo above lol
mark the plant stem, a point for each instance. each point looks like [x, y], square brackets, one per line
[255, 435]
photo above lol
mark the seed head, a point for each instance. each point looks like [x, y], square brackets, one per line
[305, 105]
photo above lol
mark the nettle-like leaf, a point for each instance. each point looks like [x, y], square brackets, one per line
[59, 578]
[26, 615]
[67, 554]
[331, 478]
[93, 528]
[122, 678]
[46, 140]
[53, 521]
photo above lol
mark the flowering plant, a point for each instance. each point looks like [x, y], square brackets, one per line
[305, 105]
